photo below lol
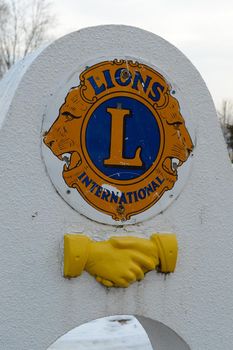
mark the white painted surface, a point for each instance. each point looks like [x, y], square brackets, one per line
[120, 332]
[37, 304]
[108, 333]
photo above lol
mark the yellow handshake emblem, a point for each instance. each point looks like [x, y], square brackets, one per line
[119, 261]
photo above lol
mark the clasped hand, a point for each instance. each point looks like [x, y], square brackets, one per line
[119, 261]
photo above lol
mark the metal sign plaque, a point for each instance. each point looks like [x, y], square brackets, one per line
[121, 139]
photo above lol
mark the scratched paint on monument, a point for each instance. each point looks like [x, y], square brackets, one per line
[121, 136]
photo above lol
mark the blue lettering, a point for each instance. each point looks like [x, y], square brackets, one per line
[135, 196]
[108, 79]
[144, 84]
[159, 180]
[114, 198]
[80, 176]
[129, 194]
[142, 193]
[93, 186]
[154, 185]
[157, 89]
[123, 199]
[97, 89]
[119, 76]
[99, 191]
[148, 189]
[105, 194]
[87, 181]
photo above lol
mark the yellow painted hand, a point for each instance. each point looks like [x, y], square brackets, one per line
[119, 261]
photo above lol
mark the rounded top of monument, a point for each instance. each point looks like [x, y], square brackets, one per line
[119, 126]
[118, 129]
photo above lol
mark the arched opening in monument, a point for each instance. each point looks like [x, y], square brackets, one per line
[120, 332]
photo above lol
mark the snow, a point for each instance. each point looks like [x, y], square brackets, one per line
[112, 333]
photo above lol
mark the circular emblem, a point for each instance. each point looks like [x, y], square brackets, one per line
[122, 138]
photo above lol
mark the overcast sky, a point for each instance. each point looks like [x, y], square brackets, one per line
[201, 29]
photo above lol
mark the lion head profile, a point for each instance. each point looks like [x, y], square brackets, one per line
[178, 143]
[62, 138]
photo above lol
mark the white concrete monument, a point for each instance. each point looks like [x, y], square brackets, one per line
[109, 138]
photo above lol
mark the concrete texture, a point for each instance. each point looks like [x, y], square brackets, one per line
[37, 304]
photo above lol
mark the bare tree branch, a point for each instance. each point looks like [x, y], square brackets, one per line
[24, 25]
[226, 120]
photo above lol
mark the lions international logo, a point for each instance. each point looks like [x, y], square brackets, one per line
[122, 137]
